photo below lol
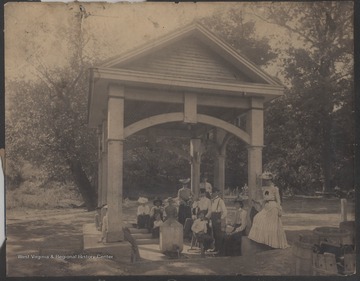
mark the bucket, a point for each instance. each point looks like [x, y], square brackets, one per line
[334, 235]
[349, 226]
[302, 253]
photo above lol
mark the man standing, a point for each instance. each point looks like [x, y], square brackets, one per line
[206, 187]
[185, 200]
[218, 220]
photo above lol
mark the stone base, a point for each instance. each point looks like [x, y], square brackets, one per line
[116, 236]
[121, 251]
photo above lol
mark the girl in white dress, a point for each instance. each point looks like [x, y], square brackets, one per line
[267, 226]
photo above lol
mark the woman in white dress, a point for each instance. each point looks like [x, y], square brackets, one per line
[267, 226]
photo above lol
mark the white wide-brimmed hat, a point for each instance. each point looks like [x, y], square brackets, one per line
[184, 181]
[267, 176]
[142, 200]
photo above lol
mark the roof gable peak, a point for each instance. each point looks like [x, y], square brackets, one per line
[197, 30]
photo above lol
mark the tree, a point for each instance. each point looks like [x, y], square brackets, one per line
[319, 130]
[47, 118]
[240, 33]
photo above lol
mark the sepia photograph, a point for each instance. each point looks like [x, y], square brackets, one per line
[179, 139]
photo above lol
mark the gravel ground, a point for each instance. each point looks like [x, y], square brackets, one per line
[33, 235]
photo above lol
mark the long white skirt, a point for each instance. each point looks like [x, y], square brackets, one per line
[267, 227]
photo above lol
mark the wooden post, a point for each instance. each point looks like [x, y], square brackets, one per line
[255, 128]
[343, 203]
[190, 108]
[115, 163]
[221, 172]
[195, 165]
[99, 133]
[219, 167]
[104, 164]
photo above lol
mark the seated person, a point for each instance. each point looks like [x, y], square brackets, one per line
[232, 243]
[155, 231]
[203, 204]
[200, 229]
[170, 211]
[156, 209]
[143, 213]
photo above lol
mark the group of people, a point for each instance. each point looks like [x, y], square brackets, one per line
[153, 218]
[205, 217]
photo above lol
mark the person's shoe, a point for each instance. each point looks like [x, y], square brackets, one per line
[211, 250]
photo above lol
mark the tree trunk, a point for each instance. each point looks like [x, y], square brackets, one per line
[87, 191]
[327, 160]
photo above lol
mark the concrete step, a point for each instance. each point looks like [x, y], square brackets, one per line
[136, 230]
[138, 236]
[147, 241]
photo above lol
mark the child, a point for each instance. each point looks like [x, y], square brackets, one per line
[98, 218]
[157, 208]
[156, 228]
[199, 228]
[143, 213]
[104, 225]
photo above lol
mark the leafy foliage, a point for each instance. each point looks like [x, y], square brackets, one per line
[47, 120]
[308, 132]
[313, 142]
[240, 34]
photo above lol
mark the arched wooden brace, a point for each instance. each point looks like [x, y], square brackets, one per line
[178, 117]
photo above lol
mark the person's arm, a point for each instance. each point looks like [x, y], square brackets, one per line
[152, 211]
[277, 195]
[139, 211]
[223, 209]
[204, 227]
[104, 227]
[194, 226]
[208, 215]
[243, 221]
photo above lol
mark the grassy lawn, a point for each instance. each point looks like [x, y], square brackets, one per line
[60, 231]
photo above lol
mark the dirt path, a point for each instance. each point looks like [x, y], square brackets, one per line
[59, 232]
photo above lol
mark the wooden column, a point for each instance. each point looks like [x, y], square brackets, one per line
[115, 163]
[99, 180]
[195, 146]
[104, 164]
[220, 164]
[219, 167]
[255, 128]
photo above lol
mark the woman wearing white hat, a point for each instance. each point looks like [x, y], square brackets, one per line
[267, 226]
[185, 199]
[143, 213]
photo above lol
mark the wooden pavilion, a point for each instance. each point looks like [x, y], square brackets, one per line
[186, 84]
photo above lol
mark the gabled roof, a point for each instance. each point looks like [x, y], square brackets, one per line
[200, 33]
[191, 59]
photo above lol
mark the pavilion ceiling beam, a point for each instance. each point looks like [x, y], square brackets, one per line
[166, 82]
[151, 95]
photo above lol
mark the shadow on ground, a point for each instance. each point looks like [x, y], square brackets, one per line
[60, 233]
